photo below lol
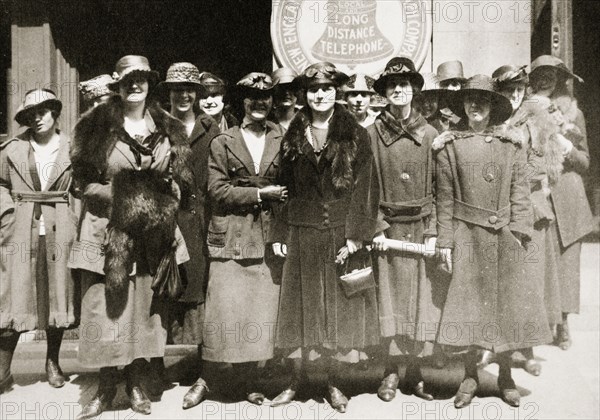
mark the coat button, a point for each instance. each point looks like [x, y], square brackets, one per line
[409, 236]
[193, 196]
[193, 211]
[325, 214]
[405, 176]
[19, 197]
[326, 223]
[255, 207]
[489, 139]
[65, 196]
[489, 177]
[325, 206]
[493, 219]
[238, 234]
[236, 251]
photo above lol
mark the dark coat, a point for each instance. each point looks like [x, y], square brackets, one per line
[193, 217]
[330, 200]
[19, 235]
[482, 201]
[409, 303]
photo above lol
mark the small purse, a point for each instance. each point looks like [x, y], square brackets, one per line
[359, 279]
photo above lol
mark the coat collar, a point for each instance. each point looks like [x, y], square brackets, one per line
[391, 130]
[201, 127]
[236, 144]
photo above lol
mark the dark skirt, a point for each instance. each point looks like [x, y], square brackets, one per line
[569, 271]
[314, 312]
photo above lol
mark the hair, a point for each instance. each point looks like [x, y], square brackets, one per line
[561, 88]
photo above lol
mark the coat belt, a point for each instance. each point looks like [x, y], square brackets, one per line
[318, 214]
[407, 211]
[493, 219]
[41, 196]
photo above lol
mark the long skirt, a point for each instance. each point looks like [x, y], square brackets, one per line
[137, 333]
[569, 269]
[241, 311]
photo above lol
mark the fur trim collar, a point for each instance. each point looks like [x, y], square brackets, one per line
[342, 143]
[390, 129]
[503, 132]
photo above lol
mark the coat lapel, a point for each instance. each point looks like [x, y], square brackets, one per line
[198, 131]
[61, 164]
[272, 145]
[237, 146]
[19, 156]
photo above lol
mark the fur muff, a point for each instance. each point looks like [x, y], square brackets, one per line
[342, 141]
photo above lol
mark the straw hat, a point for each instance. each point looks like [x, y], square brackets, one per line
[95, 87]
[182, 73]
[36, 99]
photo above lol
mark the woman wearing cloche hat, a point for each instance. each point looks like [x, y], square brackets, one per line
[285, 96]
[328, 168]
[131, 170]
[548, 80]
[401, 142]
[358, 91]
[37, 214]
[484, 223]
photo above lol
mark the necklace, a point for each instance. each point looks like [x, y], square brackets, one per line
[311, 139]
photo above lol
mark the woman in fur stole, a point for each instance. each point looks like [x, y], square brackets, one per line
[484, 220]
[548, 78]
[130, 170]
[329, 170]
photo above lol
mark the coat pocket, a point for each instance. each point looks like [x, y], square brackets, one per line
[217, 231]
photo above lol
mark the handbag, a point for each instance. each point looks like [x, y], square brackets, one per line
[360, 278]
[167, 281]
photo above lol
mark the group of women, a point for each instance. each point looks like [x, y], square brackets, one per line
[333, 230]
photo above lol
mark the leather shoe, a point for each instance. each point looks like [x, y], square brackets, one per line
[55, 375]
[100, 403]
[285, 397]
[196, 394]
[486, 357]
[387, 389]
[511, 396]
[533, 367]
[419, 391]
[255, 398]
[339, 402]
[563, 338]
[465, 393]
[139, 401]
[6, 384]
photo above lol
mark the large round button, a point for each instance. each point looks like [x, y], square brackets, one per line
[489, 177]
[325, 206]
[193, 211]
[489, 139]
[493, 219]
[193, 196]
[19, 197]
[65, 196]
[405, 176]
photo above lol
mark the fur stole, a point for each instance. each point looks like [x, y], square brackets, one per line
[503, 132]
[342, 143]
[99, 130]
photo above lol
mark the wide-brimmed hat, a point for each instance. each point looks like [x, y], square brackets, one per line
[182, 74]
[451, 70]
[556, 63]
[510, 74]
[95, 87]
[285, 76]
[322, 73]
[131, 64]
[398, 66]
[431, 87]
[212, 85]
[501, 108]
[255, 82]
[34, 100]
[359, 83]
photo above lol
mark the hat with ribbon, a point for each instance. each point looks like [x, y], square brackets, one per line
[553, 62]
[255, 83]
[398, 67]
[211, 84]
[510, 74]
[95, 87]
[36, 99]
[285, 76]
[359, 83]
[128, 65]
[485, 86]
[322, 73]
[182, 74]
[451, 70]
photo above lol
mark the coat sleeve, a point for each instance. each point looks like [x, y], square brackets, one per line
[285, 177]
[431, 221]
[220, 188]
[7, 205]
[362, 221]
[444, 199]
[578, 159]
[521, 213]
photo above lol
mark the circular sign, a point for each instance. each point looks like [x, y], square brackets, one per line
[358, 36]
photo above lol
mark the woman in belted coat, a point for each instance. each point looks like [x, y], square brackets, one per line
[329, 170]
[409, 303]
[243, 284]
[549, 76]
[131, 170]
[484, 220]
[37, 229]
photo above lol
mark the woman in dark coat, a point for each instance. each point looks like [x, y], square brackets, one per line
[36, 289]
[330, 173]
[243, 293]
[484, 219]
[123, 155]
[574, 220]
[409, 309]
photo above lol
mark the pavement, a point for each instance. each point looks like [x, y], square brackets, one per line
[568, 387]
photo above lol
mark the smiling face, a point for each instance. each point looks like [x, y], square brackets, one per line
[399, 91]
[182, 98]
[284, 97]
[212, 104]
[321, 98]
[515, 92]
[428, 105]
[134, 88]
[42, 121]
[477, 107]
[257, 105]
[358, 102]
